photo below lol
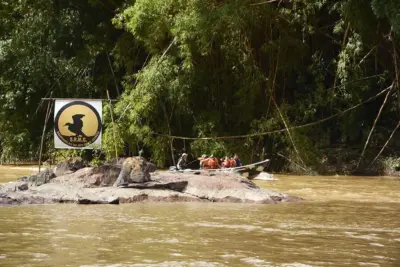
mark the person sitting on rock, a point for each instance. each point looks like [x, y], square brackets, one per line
[232, 163]
[228, 163]
[202, 160]
[212, 162]
[182, 162]
[225, 162]
[238, 161]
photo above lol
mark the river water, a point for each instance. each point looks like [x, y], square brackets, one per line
[345, 221]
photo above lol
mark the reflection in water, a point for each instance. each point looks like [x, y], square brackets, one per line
[346, 221]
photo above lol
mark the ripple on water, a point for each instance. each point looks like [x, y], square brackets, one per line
[366, 237]
[3, 256]
[384, 258]
[368, 264]
[376, 245]
[228, 226]
[104, 249]
[166, 241]
[40, 255]
[287, 239]
[60, 230]
[32, 229]
[295, 265]
[83, 236]
[255, 261]
[176, 255]
[163, 264]
[228, 256]
[344, 228]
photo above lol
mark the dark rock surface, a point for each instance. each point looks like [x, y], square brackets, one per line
[41, 178]
[101, 176]
[69, 166]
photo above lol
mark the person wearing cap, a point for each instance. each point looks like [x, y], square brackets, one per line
[202, 159]
[182, 162]
[238, 161]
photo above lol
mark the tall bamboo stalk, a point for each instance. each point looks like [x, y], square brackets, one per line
[112, 119]
[288, 131]
[48, 111]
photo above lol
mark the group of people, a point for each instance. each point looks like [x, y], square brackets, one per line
[210, 162]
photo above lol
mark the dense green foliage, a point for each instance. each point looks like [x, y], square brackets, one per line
[204, 68]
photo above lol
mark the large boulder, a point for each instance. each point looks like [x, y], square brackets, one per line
[89, 186]
[101, 176]
[69, 166]
[135, 170]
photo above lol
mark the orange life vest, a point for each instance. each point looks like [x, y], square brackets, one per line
[225, 163]
[210, 163]
[232, 163]
[205, 164]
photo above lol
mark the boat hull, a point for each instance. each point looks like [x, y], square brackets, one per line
[248, 171]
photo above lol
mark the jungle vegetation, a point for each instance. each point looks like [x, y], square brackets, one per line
[208, 68]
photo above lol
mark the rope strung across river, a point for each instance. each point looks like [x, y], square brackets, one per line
[275, 131]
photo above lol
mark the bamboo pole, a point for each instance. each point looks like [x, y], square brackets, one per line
[80, 99]
[396, 68]
[48, 111]
[113, 74]
[112, 119]
[291, 161]
[387, 142]
[288, 131]
[373, 126]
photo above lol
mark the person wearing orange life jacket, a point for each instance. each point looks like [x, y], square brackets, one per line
[225, 163]
[213, 162]
[228, 163]
[209, 163]
[232, 163]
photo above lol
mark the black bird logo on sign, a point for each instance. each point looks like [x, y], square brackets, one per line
[77, 125]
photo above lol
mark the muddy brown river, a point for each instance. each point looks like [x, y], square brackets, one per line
[346, 221]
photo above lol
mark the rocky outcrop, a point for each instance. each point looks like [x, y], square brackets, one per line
[94, 185]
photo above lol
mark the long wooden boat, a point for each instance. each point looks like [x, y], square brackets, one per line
[248, 171]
